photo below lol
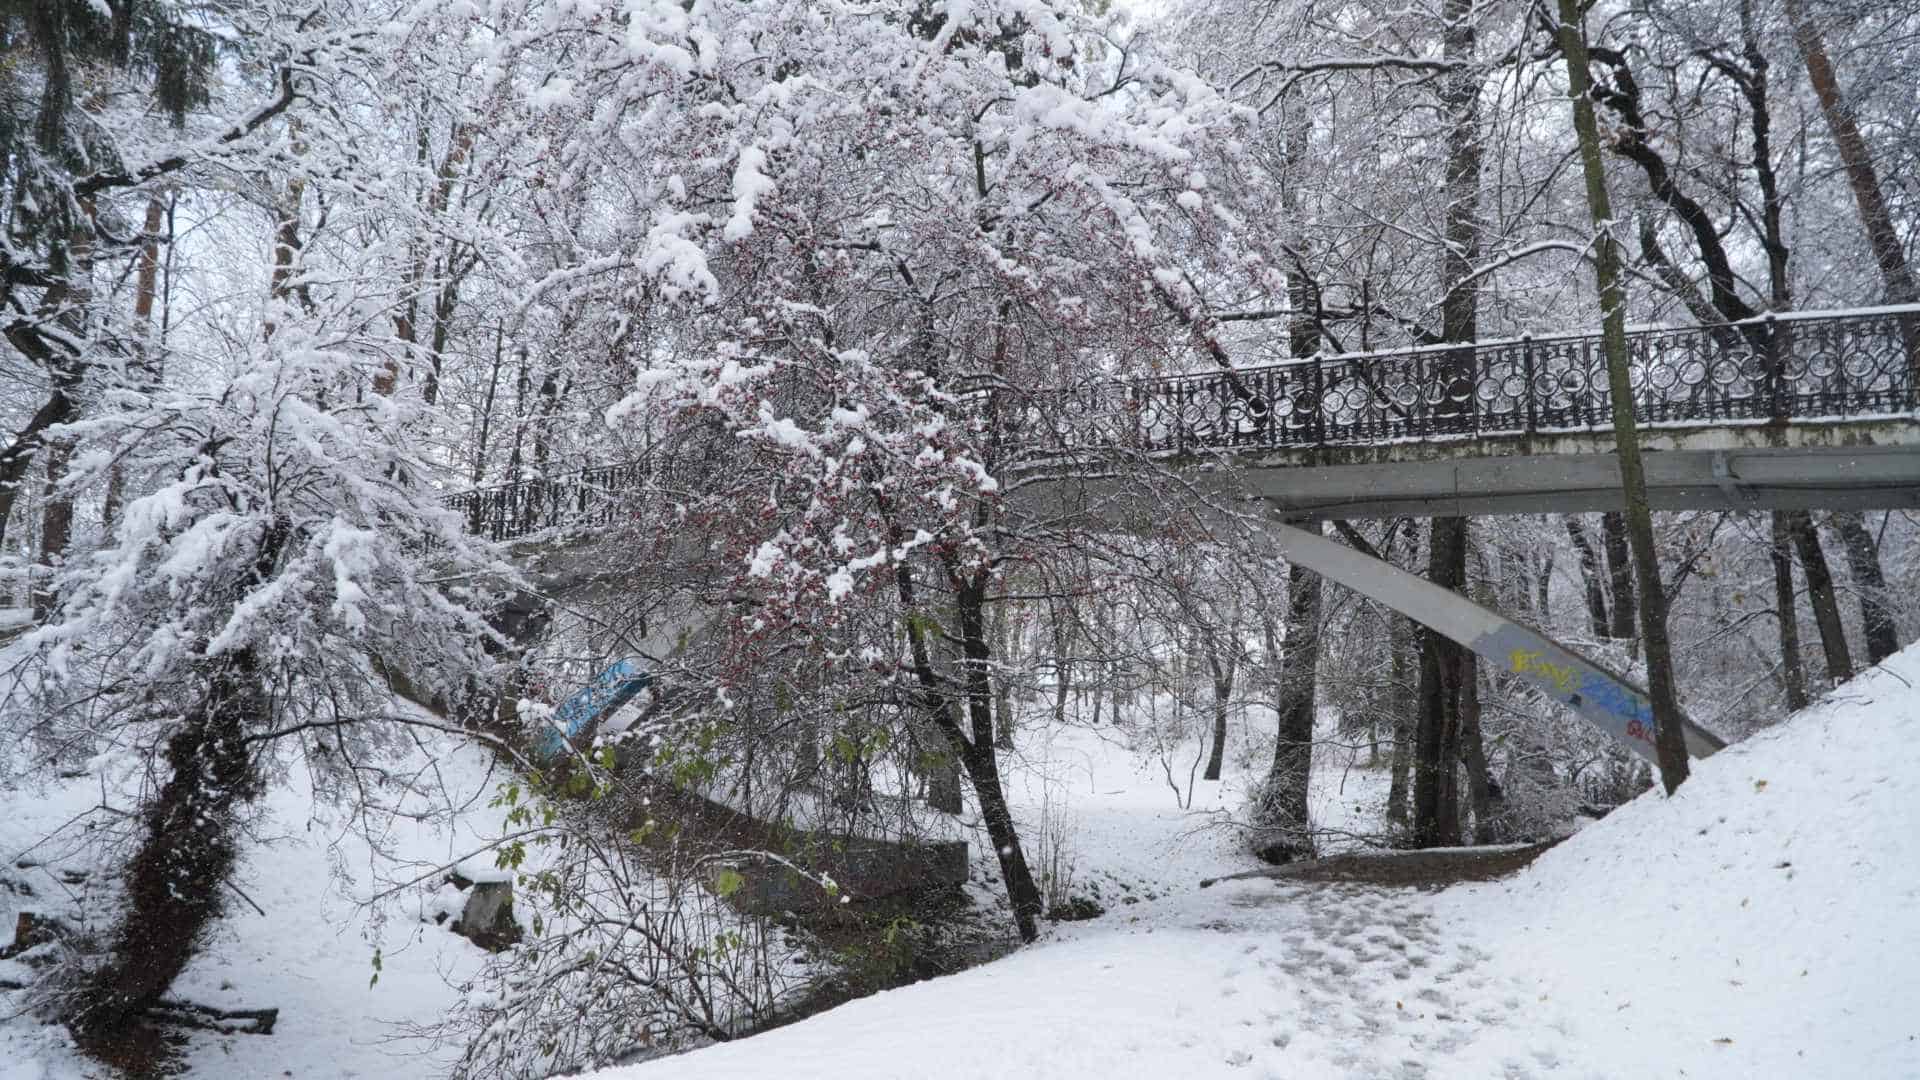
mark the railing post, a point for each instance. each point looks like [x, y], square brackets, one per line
[1776, 370]
[1526, 373]
[1179, 390]
[1319, 403]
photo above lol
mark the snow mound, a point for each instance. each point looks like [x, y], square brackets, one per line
[1763, 921]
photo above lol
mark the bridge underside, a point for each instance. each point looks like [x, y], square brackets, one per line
[1804, 465]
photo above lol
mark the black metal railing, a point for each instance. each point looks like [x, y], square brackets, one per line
[1802, 367]
[584, 499]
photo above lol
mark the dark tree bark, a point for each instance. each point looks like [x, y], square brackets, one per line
[1826, 608]
[1284, 829]
[1785, 601]
[982, 761]
[176, 879]
[176, 882]
[1223, 663]
[1436, 805]
[56, 527]
[1869, 584]
[1613, 529]
[1590, 576]
[1436, 814]
[1483, 790]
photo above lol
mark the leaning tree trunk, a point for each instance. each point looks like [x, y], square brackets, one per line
[1882, 237]
[1669, 740]
[974, 747]
[1869, 583]
[176, 880]
[982, 761]
[1222, 668]
[1482, 789]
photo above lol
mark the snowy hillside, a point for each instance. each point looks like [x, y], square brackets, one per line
[1763, 923]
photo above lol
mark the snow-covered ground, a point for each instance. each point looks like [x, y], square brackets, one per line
[1766, 922]
[311, 955]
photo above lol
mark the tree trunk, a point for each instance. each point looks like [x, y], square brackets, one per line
[1826, 607]
[1590, 577]
[1003, 643]
[145, 288]
[1222, 668]
[56, 527]
[176, 881]
[1403, 645]
[1882, 237]
[1869, 583]
[27, 443]
[943, 780]
[1436, 820]
[1062, 665]
[1792, 672]
[982, 760]
[1482, 789]
[1669, 740]
[975, 747]
[1436, 807]
[1613, 530]
[1283, 832]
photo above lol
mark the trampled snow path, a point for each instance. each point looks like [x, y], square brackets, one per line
[1252, 978]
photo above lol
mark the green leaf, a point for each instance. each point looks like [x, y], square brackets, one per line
[728, 883]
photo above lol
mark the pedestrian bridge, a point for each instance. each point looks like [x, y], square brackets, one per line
[1806, 410]
[1800, 411]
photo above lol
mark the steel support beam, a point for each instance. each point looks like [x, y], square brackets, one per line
[1602, 697]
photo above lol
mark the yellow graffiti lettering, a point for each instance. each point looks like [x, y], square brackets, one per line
[1564, 678]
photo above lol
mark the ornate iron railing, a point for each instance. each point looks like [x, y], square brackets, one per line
[1803, 367]
[580, 499]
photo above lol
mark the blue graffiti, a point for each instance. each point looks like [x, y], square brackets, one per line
[608, 691]
[1606, 694]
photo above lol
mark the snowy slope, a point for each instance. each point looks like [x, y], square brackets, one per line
[1764, 923]
[318, 879]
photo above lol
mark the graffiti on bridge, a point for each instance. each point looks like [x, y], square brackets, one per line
[1602, 697]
